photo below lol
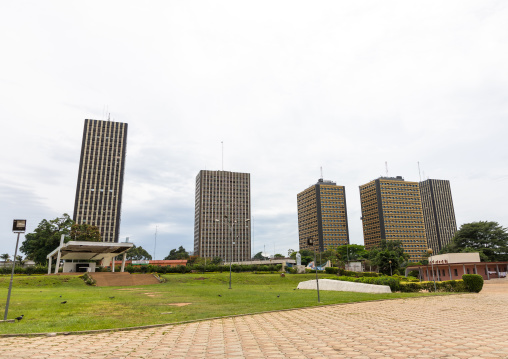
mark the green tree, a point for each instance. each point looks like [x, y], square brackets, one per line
[46, 238]
[137, 253]
[217, 260]
[277, 255]
[192, 260]
[258, 256]
[179, 253]
[388, 256]
[307, 256]
[197, 260]
[488, 238]
[330, 255]
[5, 257]
[85, 232]
[352, 252]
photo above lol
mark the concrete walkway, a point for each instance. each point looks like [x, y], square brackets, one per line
[456, 326]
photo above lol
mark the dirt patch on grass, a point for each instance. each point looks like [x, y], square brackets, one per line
[129, 289]
[200, 278]
[179, 304]
[152, 294]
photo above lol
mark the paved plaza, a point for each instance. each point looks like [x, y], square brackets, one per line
[455, 326]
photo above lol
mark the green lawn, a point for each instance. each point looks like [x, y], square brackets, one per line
[39, 299]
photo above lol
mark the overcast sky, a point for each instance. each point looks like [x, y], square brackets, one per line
[289, 86]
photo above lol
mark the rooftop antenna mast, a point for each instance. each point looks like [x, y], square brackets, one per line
[419, 174]
[321, 168]
[222, 143]
[386, 166]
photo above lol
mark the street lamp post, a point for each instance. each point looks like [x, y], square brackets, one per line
[231, 251]
[19, 226]
[429, 251]
[310, 242]
[231, 223]
[391, 273]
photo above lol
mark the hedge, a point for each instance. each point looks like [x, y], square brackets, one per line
[340, 271]
[445, 286]
[410, 287]
[389, 281]
[237, 268]
[473, 282]
[37, 269]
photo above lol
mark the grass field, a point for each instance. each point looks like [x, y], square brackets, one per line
[39, 299]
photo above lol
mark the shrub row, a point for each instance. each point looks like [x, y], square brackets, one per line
[469, 283]
[389, 281]
[201, 268]
[293, 270]
[38, 269]
[466, 285]
[347, 273]
[445, 286]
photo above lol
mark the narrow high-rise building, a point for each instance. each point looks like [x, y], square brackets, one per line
[392, 210]
[100, 179]
[322, 216]
[438, 213]
[222, 216]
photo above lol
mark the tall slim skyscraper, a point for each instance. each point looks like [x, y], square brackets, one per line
[392, 210]
[438, 213]
[100, 180]
[222, 215]
[322, 215]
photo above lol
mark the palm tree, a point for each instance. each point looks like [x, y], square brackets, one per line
[5, 257]
[19, 260]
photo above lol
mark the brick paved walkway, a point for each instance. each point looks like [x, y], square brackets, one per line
[458, 326]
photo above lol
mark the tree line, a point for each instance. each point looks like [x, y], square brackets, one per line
[486, 237]
[46, 238]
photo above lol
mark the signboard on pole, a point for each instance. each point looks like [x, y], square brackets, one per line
[19, 225]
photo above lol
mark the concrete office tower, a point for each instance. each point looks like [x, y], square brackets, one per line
[222, 216]
[438, 213]
[322, 215]
[392, 210]
[100, 179]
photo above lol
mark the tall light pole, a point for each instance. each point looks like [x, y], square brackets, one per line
[231, 224]
[18, 226]
[391, 273]
[310, 242]
[429, 251]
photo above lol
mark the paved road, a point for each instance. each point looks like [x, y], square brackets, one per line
[458, 326]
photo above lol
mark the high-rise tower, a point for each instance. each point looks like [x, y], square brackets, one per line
[322, 215]
[222, 215]
[100, 180]
[438, 213]
[392, 210]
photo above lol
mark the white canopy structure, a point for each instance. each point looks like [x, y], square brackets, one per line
[88, 251]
